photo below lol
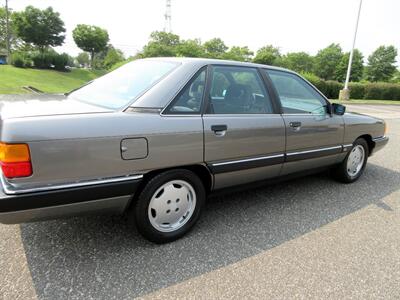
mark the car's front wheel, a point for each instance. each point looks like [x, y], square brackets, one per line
[169, 205]
[354, 164]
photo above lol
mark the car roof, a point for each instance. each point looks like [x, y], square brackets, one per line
[212, 61]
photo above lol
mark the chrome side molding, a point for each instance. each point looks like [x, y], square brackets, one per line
[10, 189]
[314, 150]
[380, 139]
[247, 160]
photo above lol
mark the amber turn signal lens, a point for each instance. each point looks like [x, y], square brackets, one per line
[10, 153]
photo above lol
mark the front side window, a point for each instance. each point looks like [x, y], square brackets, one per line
[238, 90]
[296, 95]
[190, 98]
[118, 88]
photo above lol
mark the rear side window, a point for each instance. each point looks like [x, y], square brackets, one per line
[296, 95]
[190, 98]
[120, 87]
[238, 90]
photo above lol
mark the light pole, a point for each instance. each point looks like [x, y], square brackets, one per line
[8, 35]
[345, 93]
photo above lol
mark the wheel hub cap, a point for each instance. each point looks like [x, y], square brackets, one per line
[172, 205]
[355, 160]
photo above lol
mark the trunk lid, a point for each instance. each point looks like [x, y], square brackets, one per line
[19, 106]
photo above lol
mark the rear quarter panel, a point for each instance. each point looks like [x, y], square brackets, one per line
[73, 148]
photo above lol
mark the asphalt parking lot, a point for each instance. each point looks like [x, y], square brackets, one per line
[307, 238]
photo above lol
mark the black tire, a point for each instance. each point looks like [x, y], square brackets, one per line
[140, 212]
[340, 172]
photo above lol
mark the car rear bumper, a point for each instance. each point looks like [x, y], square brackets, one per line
[379, 143]
[111, 198]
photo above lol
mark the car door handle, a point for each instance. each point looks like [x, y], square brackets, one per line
[295, 124]
[219, 130]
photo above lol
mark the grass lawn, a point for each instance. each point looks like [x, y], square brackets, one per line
[13, 79]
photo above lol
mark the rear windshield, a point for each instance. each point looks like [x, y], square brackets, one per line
[116, 89]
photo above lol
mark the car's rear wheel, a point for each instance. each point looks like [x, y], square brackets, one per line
[169, 205]
[354, 164]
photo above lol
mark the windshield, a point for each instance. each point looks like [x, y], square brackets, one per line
[116, 89]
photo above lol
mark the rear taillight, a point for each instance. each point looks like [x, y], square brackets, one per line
[15, 160]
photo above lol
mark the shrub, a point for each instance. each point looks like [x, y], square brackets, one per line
[383, 91]
[17, 60]
[49, 59]
[329, 88]
[60, 61]
[390, 91]
[316, 81]
[43, 60]
[372, 91]
[20, 60]
[332, 89]
[357, 90]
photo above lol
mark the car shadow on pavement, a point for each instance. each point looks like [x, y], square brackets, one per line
[102, 258]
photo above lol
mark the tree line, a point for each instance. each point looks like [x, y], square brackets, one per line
[34, 33]
[329, 63]
[37, 31]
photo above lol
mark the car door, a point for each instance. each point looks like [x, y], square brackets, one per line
[314, 136]
[244, 134]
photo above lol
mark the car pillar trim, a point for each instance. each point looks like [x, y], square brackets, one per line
[12, 190]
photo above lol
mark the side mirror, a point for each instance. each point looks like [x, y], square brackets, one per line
[338, 109]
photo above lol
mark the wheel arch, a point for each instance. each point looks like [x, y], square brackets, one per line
[370, 142]
[200, 170]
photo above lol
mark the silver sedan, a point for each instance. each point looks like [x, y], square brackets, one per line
[155, 137]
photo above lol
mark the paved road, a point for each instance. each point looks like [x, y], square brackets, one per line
[380, 111]
[308, 238]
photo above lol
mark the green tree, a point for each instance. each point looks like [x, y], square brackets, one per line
[91, 39]
[41, 28]
[326, 61]
[83, 59]
[382, 64]
[357, 67]
[161, 44]
[190, 48]
[15, 42]
[239, 54]
[298, 61]
[113, 57]
[396, 77]
[268, 55]
[215, 48]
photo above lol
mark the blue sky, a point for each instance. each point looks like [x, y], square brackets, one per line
[292, 25]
